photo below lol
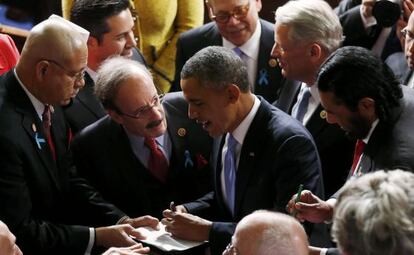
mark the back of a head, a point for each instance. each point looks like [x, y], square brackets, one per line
[374, 215]
[311, 21]
[217, 67]
[112, 73]
[352, 73]
[92, 14]
[272, 233]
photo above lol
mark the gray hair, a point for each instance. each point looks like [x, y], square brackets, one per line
[311, 21]
[375, 214]
[217, 67]
[111, 74]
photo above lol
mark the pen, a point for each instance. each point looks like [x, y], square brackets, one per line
[297, 200]
[172, 206]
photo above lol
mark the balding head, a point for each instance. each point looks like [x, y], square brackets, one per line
[265, 232]
[55, 51]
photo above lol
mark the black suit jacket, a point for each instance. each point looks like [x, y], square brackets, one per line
[86, 108]
[196, 39]
[334, 147]
[277, 155]
[104, 156]
[42, 201]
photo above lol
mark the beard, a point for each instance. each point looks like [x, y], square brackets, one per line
[359, 127]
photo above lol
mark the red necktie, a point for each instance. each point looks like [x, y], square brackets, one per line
[46, 121]
[157, 163]
[359, 148]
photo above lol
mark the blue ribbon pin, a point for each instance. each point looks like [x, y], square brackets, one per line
[188, 162]
[264, 77]
[39, 140]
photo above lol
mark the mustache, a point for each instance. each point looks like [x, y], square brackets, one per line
[154, 123]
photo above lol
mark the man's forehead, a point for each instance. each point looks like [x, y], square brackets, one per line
[223, 4]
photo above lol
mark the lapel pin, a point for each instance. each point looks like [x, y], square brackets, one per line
[182, 132]
[188, 163]
[34, 127]
[251, 154]
[322, 114]
[263, 77]
[272, 62]
[39, 141]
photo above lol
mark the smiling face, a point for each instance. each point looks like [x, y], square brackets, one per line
[211, 108]
[237, 31]
[118, 41]
[294, 58]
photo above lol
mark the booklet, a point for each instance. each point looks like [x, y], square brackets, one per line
[165, 241]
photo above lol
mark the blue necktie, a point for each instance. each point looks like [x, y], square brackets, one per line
[301, 107]
[230, 171]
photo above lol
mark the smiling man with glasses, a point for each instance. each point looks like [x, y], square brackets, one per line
[236, 25]
[408, 35]
[116, 154]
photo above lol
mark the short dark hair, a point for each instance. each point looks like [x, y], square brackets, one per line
[352, 73]
[217, 67]
[92, 14]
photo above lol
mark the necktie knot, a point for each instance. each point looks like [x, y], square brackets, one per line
[238, 52]
[231, 142]
[151, 143]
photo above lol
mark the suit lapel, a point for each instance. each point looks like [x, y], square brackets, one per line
[317, 122]
[87, 98]
[212, 36]
[33, 127]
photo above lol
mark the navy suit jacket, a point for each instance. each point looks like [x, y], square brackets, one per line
[43, 202]
[86, 108]
[277, 155]
[104, 156]
[334, 147]
[196, 39]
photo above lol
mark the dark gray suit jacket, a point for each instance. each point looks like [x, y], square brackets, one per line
[196, 39]
[103, 155]
[334, 147]
[277, 155]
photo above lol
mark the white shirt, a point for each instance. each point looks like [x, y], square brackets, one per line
[239, 134]
[251, 52]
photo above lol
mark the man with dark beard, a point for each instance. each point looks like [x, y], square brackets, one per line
[360, 94]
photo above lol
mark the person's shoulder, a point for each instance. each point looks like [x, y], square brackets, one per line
[198, 31]
[95, 131]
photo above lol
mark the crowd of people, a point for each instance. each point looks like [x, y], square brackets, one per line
[289, 138]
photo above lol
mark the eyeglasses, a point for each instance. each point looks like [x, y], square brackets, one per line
[230, 249]
[408, 35]
[75, 76]
[144, 111]
[239, 12]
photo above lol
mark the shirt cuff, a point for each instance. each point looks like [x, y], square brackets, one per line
[323, 251]
[91, 241]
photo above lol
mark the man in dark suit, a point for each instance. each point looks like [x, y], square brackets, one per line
[236, 27]
[113, 156]
[360, 93]
[307, 32]
[260, 160]
[110, 24]
[44, 203]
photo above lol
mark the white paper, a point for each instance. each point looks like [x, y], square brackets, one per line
[164, 240]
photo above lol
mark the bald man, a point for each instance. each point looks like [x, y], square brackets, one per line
[265, 232]
[41, 197]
